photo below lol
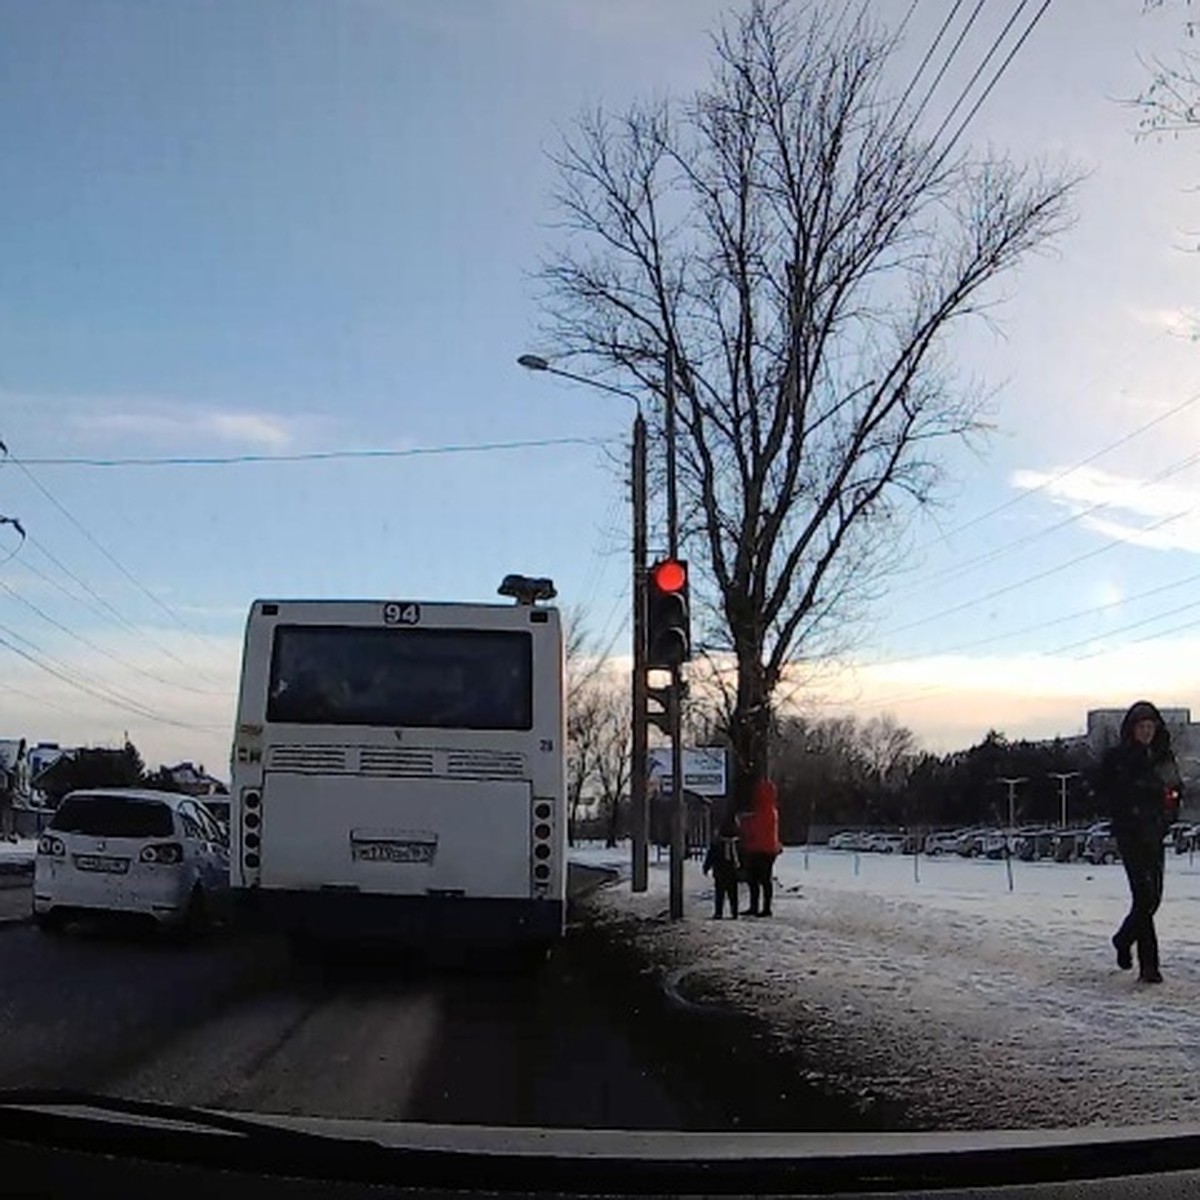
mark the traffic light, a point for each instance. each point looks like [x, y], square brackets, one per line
[668, 621]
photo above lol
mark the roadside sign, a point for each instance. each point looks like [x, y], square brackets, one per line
[703, 770]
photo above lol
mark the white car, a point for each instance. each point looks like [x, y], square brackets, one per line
[126, 850]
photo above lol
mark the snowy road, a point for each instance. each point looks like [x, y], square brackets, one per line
[948, 1001]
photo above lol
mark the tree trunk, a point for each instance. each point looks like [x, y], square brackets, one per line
[750, 727]
[614, 817]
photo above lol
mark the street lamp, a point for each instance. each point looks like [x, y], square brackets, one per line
[1062, 777]
[638, 791]
[535, 362]
[641, 691]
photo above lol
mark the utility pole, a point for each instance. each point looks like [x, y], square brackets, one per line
[638, 799]
[1012, 785]
[1062, 777]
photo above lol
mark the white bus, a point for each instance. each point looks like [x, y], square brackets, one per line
[399, 770]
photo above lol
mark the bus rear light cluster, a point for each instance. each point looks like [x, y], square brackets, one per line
[543, 845]
[251, 823]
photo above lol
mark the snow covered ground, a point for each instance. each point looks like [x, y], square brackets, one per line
[22, 850]
[927, 989]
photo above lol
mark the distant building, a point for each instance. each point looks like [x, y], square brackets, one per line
[40, 758]
[1104, 727]
[195, 781]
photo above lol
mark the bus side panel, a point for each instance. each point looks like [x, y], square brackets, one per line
[471, 838]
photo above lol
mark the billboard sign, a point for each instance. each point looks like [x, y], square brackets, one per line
[703, 770]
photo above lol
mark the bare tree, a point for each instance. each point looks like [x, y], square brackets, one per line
[1170, 103]
[788, 241]
[613, 757]
[585, 713]
[886, 746]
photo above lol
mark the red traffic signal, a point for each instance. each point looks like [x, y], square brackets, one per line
[670, 575]
[668, 620]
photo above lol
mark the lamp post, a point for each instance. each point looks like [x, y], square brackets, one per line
[639, 756]
[1062, 777]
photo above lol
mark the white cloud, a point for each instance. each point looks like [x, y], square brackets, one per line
[185, 425]
[1183, 321]
[1170, 511]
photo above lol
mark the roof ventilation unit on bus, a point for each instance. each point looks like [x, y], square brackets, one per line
[526, 589]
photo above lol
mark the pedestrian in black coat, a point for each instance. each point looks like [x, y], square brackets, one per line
[724, 860]
[1140, 786]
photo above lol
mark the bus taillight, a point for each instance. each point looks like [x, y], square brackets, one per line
[251, 823]
[542, 847]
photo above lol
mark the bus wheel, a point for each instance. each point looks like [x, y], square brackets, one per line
[50, 922]
[531, 958]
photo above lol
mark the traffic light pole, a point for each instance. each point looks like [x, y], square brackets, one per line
[640, 814]
[675, 706]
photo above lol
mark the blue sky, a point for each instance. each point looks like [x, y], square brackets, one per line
[308, 225]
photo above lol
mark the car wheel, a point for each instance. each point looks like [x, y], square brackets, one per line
[50, 922]
[1109, 858]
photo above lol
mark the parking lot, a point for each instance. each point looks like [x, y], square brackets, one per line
[1092, 843]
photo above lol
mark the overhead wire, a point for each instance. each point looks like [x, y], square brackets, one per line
[106, 606]
[50, 666]
[957, 569]
[112, 558]
[102, 650]
[223, 460]
[950, 56]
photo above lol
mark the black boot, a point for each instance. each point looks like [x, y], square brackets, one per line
[1124, 954]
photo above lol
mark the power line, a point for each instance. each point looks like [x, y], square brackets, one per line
[937, 41]
[104, 604]
[1020, 583]
[979, 70]
[79, 637]
[61, 672]
[1063, 474]
[1000, 70]
[1036, 626]
[310, 456]
[953, 52]
[958, 569]
[112, 558]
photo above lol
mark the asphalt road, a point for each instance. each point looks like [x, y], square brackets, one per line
[75, 1007]
[230, 1023]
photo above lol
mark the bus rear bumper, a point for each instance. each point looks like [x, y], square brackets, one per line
[337, 915]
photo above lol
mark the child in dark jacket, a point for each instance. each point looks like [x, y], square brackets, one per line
[724, 860]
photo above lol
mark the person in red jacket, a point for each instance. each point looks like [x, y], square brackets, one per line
[761, 845]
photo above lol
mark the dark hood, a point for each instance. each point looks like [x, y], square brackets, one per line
[1140, 711]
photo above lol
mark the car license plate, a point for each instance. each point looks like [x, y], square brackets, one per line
[396, 852]
[101, 862]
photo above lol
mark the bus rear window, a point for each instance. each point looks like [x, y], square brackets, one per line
[417, 678]
[113, 816]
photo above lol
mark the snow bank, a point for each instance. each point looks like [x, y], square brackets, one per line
[21, 851]
[928, 988]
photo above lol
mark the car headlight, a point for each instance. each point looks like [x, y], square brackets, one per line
[50, 845]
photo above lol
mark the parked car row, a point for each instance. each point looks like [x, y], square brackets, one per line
[1094, 844]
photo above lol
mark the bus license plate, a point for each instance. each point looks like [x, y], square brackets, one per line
[99, 862]
[396, 852]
